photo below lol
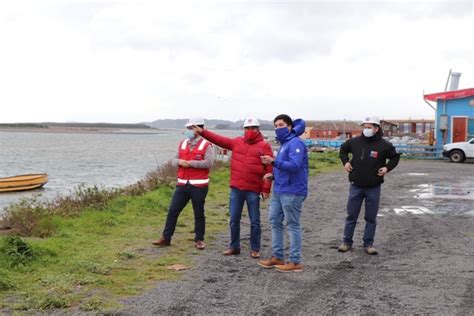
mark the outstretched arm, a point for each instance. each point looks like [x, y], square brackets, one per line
[219, 140]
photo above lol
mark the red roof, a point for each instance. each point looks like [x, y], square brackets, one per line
[449, 95]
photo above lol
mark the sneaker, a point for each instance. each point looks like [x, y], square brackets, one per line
[162, 242]
[344, 247]
[200, 245]
[371, 250]
[255, 254]
[270, 263]
[231, 251]
[290, 267]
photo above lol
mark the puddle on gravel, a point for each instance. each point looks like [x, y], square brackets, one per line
[463, 190]
[412, 210]
[423, 210]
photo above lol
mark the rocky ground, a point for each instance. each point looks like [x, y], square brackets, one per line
[425, 236]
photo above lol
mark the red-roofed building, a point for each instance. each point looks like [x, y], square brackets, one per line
[332, 129]
[454, 115]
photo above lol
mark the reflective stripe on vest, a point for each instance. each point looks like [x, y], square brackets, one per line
[183, 181]
[203, 143]
[184, 144]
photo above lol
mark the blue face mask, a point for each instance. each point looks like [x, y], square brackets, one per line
[189, 134]
[281, 134]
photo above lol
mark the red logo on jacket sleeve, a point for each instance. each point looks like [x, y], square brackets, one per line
[374, 154]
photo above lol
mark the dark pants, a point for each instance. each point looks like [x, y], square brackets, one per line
[372, 199]
[180, 199]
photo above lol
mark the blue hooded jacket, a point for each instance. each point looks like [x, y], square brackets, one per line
[290, 168]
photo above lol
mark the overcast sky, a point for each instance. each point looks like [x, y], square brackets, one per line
[135, 61]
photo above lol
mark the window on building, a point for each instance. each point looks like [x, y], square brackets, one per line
[419, 128]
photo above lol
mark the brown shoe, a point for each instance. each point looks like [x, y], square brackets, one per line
[255, 254]
[290, 267]
[162, 242]
[231, 251]
[200, 245]
[270, 263]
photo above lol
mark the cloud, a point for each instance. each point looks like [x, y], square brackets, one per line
[142, 60]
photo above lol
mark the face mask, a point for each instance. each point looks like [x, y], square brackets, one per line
[281, 133]
[250, 134]
[189, 134]
[368, 132]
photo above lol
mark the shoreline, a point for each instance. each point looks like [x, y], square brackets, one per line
[83, 130]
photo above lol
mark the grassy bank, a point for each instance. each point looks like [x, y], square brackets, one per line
[100, 255]
[91, 257]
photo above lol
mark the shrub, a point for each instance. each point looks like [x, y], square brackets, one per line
[83, 197]
[15, 252]
[30, 217]
[26, 216]
[165, 174]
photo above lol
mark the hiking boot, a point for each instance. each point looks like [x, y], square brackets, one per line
[231, 251]
[290, 267]
[200, 245]
[255, 254]
[162, 242]
[270, 263]
[371, 250]
[344, 247]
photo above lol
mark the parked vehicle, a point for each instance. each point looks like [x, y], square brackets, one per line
[458, 152]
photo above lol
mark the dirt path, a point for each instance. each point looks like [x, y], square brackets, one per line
[425, 265]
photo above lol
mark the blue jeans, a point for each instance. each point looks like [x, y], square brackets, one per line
[236, 205]
[286, 206]
[356, 196]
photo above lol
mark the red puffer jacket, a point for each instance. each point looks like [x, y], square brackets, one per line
[246, 168]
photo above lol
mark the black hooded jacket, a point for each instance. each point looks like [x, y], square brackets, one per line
[369, 154]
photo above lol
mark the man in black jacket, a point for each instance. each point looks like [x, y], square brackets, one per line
[366, 169]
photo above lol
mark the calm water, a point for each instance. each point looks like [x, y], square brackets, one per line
[112, 160]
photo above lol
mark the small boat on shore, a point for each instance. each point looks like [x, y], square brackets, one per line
[23, 182]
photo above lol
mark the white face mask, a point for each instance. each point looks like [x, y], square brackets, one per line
[368, 132]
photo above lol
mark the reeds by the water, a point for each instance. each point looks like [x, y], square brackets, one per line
[31, 217]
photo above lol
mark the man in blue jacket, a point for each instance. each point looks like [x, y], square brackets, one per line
[290, 172]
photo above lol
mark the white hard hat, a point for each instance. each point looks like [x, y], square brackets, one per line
[251, 122]
[371, 120]
[195, 121]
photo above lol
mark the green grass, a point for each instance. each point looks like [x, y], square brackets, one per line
[93, 259]
[98, 257]
[323, 162]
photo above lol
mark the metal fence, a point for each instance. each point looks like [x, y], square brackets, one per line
[415, 151]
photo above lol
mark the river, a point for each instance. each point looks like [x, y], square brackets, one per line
[110, 160]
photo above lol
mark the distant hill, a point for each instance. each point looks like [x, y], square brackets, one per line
[211, 123]
[73, 125]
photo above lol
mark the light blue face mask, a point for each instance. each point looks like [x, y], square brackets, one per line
[189, 134]
[368, 132]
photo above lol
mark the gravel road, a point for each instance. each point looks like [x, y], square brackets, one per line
[425, 237]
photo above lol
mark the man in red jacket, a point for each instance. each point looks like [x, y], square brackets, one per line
[194, 159]
[246, 180]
